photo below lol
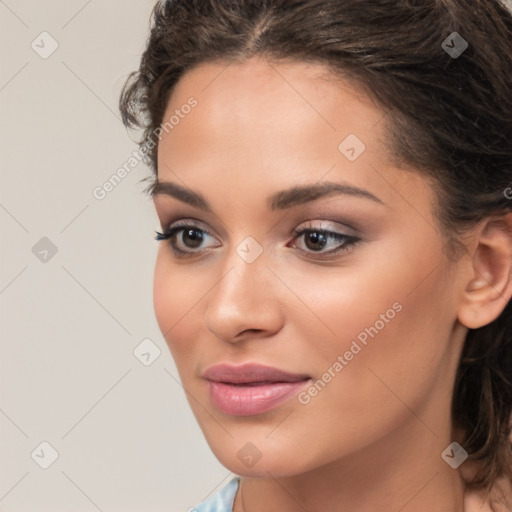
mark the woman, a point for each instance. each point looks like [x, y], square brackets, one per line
[333, 182]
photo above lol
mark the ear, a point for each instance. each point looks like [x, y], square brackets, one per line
[489, 286]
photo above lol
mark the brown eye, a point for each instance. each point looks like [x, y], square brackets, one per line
[184, 238]
[192, 237]
[316, 240]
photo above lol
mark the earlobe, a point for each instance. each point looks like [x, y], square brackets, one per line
[489, 287]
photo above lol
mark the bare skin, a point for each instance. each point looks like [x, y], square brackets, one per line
[372, 438]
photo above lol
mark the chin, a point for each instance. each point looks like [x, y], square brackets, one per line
[261, 458]
[278, 467]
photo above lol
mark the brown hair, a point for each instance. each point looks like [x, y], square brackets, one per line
[449, 116]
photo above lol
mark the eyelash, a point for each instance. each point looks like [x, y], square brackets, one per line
[349, 241]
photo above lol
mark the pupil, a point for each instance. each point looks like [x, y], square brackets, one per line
[316, 238]
[195, 237]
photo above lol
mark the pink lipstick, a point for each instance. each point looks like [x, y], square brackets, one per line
[251, 388]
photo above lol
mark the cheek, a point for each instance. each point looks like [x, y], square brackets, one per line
[175, 294]
[334, 306]
[364, 401]
[392, 330]
[404, 295]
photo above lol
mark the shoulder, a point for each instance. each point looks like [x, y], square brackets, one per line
[222, 501]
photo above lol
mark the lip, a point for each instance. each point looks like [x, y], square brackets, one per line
[251, 388]
[250, 373]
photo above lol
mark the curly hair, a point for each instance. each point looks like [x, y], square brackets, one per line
[449, 116]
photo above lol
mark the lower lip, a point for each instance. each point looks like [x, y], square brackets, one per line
[250, 400]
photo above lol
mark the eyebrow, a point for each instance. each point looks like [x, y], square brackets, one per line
[281, 200]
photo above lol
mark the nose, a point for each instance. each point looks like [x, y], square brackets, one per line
[244, 303]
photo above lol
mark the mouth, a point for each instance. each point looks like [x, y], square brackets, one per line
[251, 389]
[245, 384]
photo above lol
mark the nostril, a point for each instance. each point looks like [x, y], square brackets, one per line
[250, 331]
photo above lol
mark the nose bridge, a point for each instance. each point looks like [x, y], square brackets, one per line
[242, 298]
[239, 284]
[244, 267]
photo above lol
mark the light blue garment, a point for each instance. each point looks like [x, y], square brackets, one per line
[222, 501]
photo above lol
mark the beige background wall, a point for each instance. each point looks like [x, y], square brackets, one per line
[76, 279]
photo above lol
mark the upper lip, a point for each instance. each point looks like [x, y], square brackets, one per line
[250, 372]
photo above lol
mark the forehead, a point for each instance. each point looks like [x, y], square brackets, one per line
[262, 89]
[253, 107]
[258, 127]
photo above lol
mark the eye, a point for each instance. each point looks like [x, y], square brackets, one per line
[185, 238]
[317, 239]
[188, 239]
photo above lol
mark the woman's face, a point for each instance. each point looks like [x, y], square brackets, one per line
[365, 316]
